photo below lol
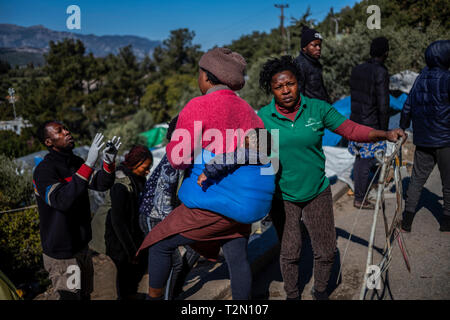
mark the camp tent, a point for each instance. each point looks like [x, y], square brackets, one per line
[344, 107]
[402, 81]
[154, 137]
[7, 289]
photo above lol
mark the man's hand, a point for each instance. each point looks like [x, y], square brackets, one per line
[201, 178]
[94, 150]
[394, 135]
[110, 152]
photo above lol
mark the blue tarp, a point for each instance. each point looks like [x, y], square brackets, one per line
[344, 107]
[397, 103]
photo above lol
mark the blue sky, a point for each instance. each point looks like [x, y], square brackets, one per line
[214, 22]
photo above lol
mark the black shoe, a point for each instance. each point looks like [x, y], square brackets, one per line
[367, 205]
[316, 295]
[407, 220]
[445, 224]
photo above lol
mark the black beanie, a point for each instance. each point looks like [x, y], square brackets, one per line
[309, 35]
[379, 46]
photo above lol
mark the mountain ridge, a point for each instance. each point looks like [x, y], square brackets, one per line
[38, 37]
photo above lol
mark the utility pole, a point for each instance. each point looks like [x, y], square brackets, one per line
[283, 35]
[12, 99]
[336, 20]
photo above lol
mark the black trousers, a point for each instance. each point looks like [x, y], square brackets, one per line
[361, 174]
[128, 277]
[424, 161]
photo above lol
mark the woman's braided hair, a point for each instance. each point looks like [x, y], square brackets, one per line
[274, 66]
[136, 156]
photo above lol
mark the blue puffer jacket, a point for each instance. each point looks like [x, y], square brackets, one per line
[428, 103]
[244, 195]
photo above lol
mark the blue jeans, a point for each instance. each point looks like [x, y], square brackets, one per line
[181, 265]
[235, 251]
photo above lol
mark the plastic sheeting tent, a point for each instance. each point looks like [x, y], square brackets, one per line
[344, 107]
[7, 289]
[32, 160]
[402, 81]
[155, 136]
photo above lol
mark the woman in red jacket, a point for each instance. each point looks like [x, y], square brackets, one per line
[219, 109]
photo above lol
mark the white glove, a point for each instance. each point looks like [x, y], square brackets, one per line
[94, 150]
[110, 152]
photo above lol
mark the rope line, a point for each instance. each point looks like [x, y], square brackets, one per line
[354, 224]
[18, 209]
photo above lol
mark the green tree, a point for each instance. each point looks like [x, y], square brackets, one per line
[165, 98]
[60, 95]
[15, 146]
[15, 186]
[130, 129]
[177, 54]
[251, 92]
[5, 83]
[20, 245]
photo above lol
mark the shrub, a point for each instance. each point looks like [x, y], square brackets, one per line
[20, 244]
[129, 131]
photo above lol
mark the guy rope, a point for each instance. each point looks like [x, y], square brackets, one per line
[392, 231]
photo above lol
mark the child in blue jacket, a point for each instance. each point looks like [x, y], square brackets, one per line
[255, 152]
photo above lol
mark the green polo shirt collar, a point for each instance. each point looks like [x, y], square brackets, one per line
[275, 112]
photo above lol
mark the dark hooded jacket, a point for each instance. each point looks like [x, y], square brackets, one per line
[428, 103]
[311, 82]
[122, 231]
[369, 89]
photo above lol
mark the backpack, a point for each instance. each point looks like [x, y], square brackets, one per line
[98, 222]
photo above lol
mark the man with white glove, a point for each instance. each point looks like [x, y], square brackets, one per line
[61, 182]
[111, 149]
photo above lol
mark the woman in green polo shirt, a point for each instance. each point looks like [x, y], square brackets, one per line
[303, 191]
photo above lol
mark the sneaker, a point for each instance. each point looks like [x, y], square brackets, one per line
[316, 295]
[367, 205]
[407, 220]
[445, 224]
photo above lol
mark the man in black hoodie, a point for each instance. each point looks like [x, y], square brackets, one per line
[311, 82]
[61, 183]
[369, 89]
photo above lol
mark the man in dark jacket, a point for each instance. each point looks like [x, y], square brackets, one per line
[61, 183]
[311, 82]
[369, 89]
[428, 106]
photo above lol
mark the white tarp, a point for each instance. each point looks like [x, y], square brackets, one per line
[403, 81]
[339, 163]
[157, 154]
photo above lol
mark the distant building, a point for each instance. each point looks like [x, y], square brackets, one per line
[15, 125]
